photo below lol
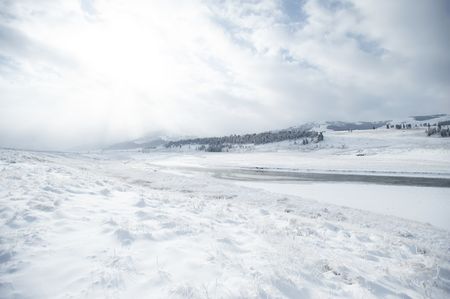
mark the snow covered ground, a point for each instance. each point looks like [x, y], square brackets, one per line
[424, 204]
[374, 151]
[133, 225]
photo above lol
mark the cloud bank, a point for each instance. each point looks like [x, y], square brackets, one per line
[88, 73]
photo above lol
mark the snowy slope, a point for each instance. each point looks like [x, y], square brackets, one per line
[117, 226]
[415, 121]
[337, 134]
[157, 141]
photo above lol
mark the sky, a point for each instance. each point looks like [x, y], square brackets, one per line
[87, 73]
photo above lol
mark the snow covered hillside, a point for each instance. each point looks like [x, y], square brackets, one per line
[269, 139]
[118, 225]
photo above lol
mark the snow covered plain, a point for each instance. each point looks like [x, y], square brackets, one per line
[124, 225]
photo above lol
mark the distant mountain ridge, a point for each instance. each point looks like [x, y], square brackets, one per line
[427, 117]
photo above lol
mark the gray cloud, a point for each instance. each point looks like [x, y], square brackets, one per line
[93, 72]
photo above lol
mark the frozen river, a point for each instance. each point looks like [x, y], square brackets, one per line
[261, 174]
[422, 199]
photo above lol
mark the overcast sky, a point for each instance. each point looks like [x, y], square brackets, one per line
[93, 72]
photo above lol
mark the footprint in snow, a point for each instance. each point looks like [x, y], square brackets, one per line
[264, 212]
[141, 203]
[331, 227]
[5, 256]
[124, 236]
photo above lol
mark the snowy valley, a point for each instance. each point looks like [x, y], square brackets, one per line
[193, 224]
[205, 149]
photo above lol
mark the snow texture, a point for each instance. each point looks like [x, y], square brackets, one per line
[119, 226]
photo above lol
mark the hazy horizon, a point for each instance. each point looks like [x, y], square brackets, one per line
[91, 73]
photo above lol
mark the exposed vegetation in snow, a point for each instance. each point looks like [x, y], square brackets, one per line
[115, 226]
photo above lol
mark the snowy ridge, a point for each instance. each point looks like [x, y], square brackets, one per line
[93, 226]
[415, 121]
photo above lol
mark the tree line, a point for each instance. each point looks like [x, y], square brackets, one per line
[218, 144]
[441, 128]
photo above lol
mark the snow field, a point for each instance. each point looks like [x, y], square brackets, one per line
[75, 226]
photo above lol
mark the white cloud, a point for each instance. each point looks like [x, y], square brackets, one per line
[93, 72]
